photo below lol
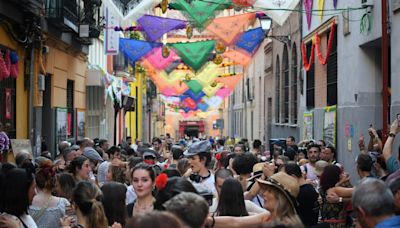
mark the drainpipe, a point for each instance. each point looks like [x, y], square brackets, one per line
[31, 93]
[385, 70]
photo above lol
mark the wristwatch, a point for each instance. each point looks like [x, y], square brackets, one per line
[392, 135]
[340, 199]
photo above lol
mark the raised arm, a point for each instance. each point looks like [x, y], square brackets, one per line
[232, 222]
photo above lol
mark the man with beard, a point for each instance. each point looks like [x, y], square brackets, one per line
[313, 151]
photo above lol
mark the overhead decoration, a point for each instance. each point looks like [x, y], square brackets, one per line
[238, 57]
[228, 29]
[251, 39]
[189, 31]
[224, 92]
[155, 27]
[220, 48]
[194, 86]
[194, 96]
[139, 10]
[308, 4]
[208, 74]
[201, 12]
[157, 59]
[307, 63]
[218, 59]
[335, 3]
[321, 59]
[164, 6]
[277, 10]
[194, 54]
[320, 5]
[243, 3]
[212, 90]
[213, 102]
[135, 49]
[9, 64]
[230, 82]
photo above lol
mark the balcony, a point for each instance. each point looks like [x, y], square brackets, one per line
[63, 14]
[30, 6]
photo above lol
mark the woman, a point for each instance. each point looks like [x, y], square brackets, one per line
[17, 189]
[114, 194]
[231, 199]
[155, 219]
[80, 168]
[89, 209]
[46, 209]
[331, 213]
[143, 181]
[64, 185]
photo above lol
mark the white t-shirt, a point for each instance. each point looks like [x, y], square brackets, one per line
[251, 207]
[130, 195]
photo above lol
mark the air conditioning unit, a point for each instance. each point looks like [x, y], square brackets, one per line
[367, 3]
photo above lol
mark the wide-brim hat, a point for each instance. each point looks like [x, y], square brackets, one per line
[257, 171]
[285, 184]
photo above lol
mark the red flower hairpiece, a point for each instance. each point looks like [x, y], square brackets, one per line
[161, 181]
[218, 156]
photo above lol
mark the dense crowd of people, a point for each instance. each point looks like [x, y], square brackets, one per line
[205, 182]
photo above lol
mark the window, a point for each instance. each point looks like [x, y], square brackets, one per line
[310, 82]
[277, 90]
[8, 106]
[293, 98]
[331, 74]
[70, 107]
[285, 84]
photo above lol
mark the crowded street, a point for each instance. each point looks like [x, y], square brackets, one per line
[199, 114]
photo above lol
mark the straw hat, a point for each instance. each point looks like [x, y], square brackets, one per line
[257, 171]
[285, 184]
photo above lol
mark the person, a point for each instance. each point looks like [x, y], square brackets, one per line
[191, 208]
[328, 155]
[280, 192]
[17, 189]
[239, 149]
[103, 144]
[307, 198]
[177, 153]
[256, 151]
[243, 166]
[116, 171]
[157, 145]
[94, 159]
[114, 194]
[130, 192]
[173, 186]
[313, 151]
[392, 164]
[364, 165]
[332, 213]
[373, 204]
[199, 158]
[69, 154]
[64, 185]
[46, 209]
[394, 186]
[86, 199]
[231, 201]
[155, 219]
[114, 153]
[290, 141]
[183, 167]
[143, 181]
[80, 168]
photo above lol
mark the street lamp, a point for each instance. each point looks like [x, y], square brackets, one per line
[266, 25]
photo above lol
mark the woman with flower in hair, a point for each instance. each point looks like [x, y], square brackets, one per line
[46, 209]
[143, 181]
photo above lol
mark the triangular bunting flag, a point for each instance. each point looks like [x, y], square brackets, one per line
[228, 29]
[208, 74]
[308, 4]
[238, 57]
[158, 61]
[135, 49]
[200, 11]
[194, 54]
[278, 11]
[229, 82]
[155, 27]
[321, 4]
[251, 39]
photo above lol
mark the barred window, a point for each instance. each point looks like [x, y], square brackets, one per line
[277, 90]
[293, 114]
[285, 84]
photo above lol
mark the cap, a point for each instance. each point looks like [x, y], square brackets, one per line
[198, 147]
[285, 184]
[320, 166]
[74, 147]
[92, 154]
[149, 152]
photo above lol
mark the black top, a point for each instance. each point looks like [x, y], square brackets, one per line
[308, 205]
[129, 208]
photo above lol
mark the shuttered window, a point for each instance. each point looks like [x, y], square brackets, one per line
[331, 75]
[70, 108]
[310, 82]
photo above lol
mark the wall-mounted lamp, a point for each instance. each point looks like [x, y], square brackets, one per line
[266, 25]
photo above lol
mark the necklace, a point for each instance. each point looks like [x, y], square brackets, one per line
[142, 209]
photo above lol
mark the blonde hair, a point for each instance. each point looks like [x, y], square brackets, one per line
[283, 208]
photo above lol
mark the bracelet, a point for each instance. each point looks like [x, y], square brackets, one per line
[392, 135]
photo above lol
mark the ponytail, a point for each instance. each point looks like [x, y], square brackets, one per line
[97, 218]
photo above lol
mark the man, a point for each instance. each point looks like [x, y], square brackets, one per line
[199, 156]
[373, 204]
[157, 144]
[364, 165]
[243, 166]
[256, 148]
[328, 155]
[394, 186]
[113, 153]
[94, 159]
[313, 151]
[70, 153]
[238, 149]
[290, 141]
[190, 208]
[104, 145]
[86, 142]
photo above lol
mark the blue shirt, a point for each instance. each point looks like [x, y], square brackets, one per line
[390, 222]
[392, 164]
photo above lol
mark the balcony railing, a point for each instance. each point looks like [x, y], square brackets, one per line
[63, 13]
